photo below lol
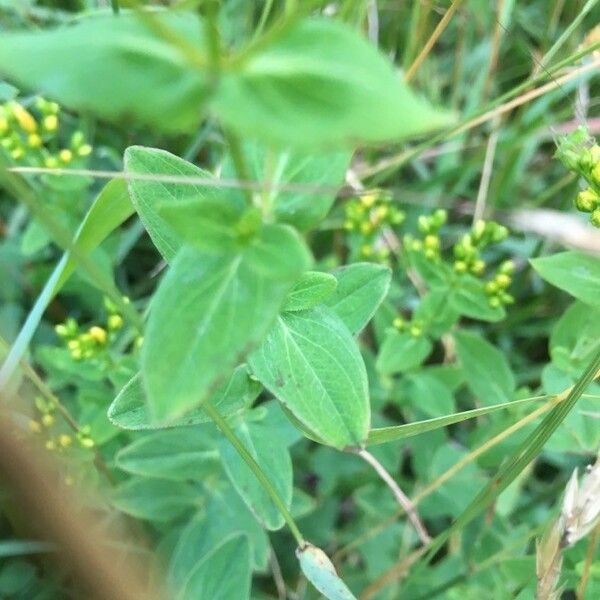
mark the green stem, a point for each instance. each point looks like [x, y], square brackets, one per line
[115, 6]
[222, 424]
[239, 164]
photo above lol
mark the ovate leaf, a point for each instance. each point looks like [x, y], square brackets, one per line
[576, 273]
[77, 65]
[269, 449]
[486, 369]
[177, 454]
[223, 574]
[129, 410]
[154, 499]
[319, 570]
[311, 364]
[311, 289]
[180, 213]
[208, 313]
[321, 83]
[361, 289]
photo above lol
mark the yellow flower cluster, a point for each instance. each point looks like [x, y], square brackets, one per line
[91, 343]
[429, 243]
[496, 288]
[56, 439]
[580, 154]
[366, 217]
[467, 252]
[32, 135]
[414, 327]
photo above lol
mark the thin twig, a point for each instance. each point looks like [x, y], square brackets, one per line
[486, 173]
[277, 575]
[404, 501]
[589, 560]
[410, 73]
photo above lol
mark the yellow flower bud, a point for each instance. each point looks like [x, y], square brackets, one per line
[87, 442]
[478, 267]
[115, 322]
[3, 125]
[398, 323]
[50, 123]
[366, 228]
[23, 117]
[503, 280]
[73, 344]
[432, 242]
[595, 218]
[460, 266]
[17, 153]
[51, 445]
[77, 354]
[48, 420]
[494, 302]
[491, 287]
[65, 440]
[51, 162]
[98, 334]
[369, 199]
[34, 140]
[65, 155]
[69, 481]
[416, 331]
[366, 250]
[430, 254]
[35, 426]
[84, 150]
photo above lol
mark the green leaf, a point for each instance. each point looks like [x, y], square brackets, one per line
[178, 454]
[320, 174]
[361, 289]
[576, 273]
[319, 570]
[321, 83]
[401, 352]
[269, 449]
[129, 410]
[225, 514]
[108, 211]
[117, 68]
[311, 289]
[468, 297]
[312, 365]
[223, 574]
[486, 369]
[175, 214]
[382, 435]
[154, 499]
[208, 312]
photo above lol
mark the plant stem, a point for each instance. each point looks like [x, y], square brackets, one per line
[404, 501]
[115, 6]
[226, 430]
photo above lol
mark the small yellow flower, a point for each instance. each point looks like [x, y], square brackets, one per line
[98, 334]
[84, 150]
[416, 331]
[23, 117]
[460, 266]
[503, 280]
[48, 420]
[65, 155]
[34, 140]
[50, 123]
[115, 322]
[65, 440]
